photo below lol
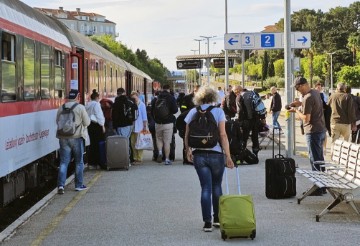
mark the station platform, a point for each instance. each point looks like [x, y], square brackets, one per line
[154, 204]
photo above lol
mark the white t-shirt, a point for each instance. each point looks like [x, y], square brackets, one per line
[219, 116]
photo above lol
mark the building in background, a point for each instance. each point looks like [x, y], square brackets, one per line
[85, 23]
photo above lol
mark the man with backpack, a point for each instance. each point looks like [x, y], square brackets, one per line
[72, 121]
[124, 114]
[249, 115]
[163, 109]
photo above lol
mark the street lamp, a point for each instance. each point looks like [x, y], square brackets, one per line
[199, 40]
[331, 70]
[226, 51]
[208, 59]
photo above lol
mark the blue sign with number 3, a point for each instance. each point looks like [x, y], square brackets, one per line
[267, 40]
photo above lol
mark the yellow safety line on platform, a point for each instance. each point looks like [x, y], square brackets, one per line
[56, 221]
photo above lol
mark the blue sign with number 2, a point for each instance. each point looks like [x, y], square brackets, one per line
[267, 40]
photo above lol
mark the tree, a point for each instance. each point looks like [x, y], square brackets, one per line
[350, 75]
[265, 65]
[271, 69]
[354, 45]
[279, 68]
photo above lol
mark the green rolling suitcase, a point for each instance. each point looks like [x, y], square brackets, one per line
[236, 213]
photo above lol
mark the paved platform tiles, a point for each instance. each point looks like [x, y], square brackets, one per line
[154, 204]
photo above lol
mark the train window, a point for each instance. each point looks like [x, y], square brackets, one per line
[8, 76]
[116, 79]
[105, 80]
[29, 69]
[45, 72]
[59, 73]
[111, 79]
[97, 77]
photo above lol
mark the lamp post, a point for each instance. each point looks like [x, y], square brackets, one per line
[331, 71]
[208, 59]
[199, 40]
[194, 51]
[226, 51]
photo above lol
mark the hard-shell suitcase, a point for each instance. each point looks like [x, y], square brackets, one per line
[280, 180]
[102, 150]
[236, 213]
[117, 152]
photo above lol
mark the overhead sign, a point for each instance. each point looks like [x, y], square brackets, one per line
[189, 64]
[220, 63]
[258, 41]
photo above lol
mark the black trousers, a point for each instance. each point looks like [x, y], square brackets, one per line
[96, 135]
[252, 126]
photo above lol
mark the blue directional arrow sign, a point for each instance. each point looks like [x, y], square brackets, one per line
[232, 41]
[303, 39]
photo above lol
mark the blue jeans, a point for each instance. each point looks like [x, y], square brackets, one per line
[315, 143]
[210, 168]
[124, 131]
[68, 148]
[275, 116]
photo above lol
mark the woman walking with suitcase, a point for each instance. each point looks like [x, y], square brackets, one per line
[210, 159]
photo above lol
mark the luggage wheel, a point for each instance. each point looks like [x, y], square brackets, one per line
[298, 200]
[223, 235]
[253, 235]
[317, 218]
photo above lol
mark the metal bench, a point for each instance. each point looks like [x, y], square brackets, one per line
[341, 177]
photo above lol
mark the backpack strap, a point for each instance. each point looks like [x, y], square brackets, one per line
[72, 107]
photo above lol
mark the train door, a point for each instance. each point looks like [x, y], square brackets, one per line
[128, 82]
[77, 78]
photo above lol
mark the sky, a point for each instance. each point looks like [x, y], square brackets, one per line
[167, 28]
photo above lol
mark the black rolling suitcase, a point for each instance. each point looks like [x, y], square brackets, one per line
[280, 178]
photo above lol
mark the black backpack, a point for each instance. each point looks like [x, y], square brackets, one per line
[130, 111]
[161, 110]
[203, 129]
[181, 124]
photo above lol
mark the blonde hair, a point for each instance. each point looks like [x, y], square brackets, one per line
[205, 95]
[134, 93]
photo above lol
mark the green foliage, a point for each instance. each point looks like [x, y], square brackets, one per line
[265, 66]
[153, 67]
[279, 68]
[274, 81]
[271, 69]
[349, 75]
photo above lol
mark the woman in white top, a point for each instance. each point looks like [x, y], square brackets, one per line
[96, 131]
[140, 124]
[209, 163]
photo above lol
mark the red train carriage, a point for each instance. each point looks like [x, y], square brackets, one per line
[34, 51]
[41, 60]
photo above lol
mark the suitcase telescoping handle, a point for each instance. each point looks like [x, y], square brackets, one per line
[237, 180]
[273, 150]
[357, 136]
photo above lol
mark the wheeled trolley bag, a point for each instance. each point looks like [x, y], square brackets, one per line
[117, 152]
[236, 213]
[280, 177]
